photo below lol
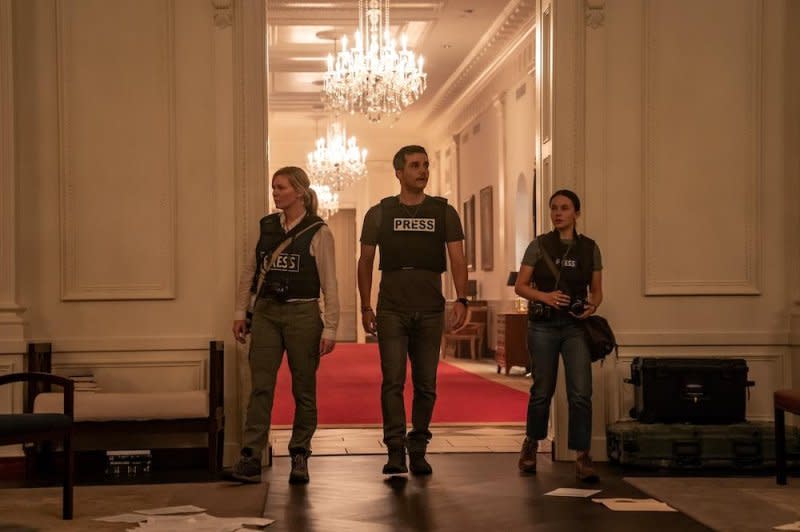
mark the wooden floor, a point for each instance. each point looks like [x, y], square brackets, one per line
[466, 492]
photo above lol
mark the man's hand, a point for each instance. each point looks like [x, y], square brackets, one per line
[240, 330]
[368, 321]
[458, 315]
[326, 346]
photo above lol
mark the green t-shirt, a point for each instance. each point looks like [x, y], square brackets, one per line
[410, 290]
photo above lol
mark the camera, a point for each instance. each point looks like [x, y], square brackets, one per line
[277, 289]
[577, 305]
[539, 312]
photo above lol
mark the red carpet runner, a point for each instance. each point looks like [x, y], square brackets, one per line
[349, 387]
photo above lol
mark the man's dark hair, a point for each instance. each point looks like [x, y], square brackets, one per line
[399, 160]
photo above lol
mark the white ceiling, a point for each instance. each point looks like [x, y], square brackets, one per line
[457, 38]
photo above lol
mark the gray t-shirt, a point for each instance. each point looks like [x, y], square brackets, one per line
[410, 290]
[534, 253]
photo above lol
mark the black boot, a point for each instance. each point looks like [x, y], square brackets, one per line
[418, 464]
[299, 474]
[397, 461]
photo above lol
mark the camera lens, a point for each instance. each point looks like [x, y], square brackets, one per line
[577, 306]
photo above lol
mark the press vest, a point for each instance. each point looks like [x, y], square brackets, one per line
[412, 237]
[295, 265]
[576, 263]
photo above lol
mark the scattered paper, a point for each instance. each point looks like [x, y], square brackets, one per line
[572, 492]
[200, 523]
[635, 505]
[123, 518]
[172, 510]
[789, 526]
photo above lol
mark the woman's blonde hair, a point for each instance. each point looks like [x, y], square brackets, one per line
[301, 183]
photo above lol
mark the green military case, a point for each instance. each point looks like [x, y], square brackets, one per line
[744, 446]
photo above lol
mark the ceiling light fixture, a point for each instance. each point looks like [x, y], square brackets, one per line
[373, 77]
[328, 200]
[336, 161]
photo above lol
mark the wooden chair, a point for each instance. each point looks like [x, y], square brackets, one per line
[785, 401]
[472, 332]
[27, 428]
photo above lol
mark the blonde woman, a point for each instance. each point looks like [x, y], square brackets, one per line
[296, 251]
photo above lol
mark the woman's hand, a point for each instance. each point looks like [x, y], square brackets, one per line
[240, 330]
[326, 346]
[588, 310]
[557, 299]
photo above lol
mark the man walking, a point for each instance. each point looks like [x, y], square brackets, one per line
[413, 231]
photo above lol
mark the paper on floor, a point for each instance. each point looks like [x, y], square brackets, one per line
[788, 526]
[171, 510]
[122, 518]
[199, 523]
[572, 492]
[635, 505]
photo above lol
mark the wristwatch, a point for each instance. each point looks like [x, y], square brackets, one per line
[463, 300]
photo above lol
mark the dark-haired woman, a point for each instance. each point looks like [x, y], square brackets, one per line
[296, 250]
[561, 277]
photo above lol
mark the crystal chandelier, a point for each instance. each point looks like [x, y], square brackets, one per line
[328, 200]
[373, 77]
[337, 162]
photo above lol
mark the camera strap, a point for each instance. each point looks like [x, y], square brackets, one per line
[266, 266]
[556, 271]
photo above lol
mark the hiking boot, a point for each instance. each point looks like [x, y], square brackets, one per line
[584, 469]
[418, 464]
[527, 456]
[247, 469]
[299, 474]
[397, 461]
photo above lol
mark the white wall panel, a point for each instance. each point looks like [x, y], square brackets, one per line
[117, 162]
[702, 77]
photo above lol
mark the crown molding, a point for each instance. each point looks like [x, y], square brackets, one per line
[508, 30]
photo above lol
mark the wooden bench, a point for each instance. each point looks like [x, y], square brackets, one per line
[105, 413]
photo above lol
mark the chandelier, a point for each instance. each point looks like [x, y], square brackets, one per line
[337, 162]
[328, 200]
[373, 77]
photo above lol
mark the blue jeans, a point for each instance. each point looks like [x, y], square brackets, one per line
[414, 336]
[546, 339]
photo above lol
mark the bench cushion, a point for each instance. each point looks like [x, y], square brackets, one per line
[13, 424]
[788, 400]
[103, 406]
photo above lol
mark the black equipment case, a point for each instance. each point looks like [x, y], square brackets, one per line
[693, 390]
[743, 446]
